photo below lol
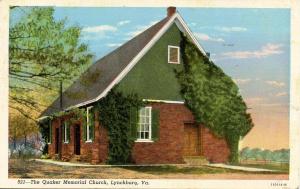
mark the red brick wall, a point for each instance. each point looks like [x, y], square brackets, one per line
[93, 152]
[51, 147]
[213, 148]
[167, 149]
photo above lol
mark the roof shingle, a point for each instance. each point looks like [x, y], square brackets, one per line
[105, 70]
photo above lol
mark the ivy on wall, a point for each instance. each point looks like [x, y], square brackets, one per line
[118, 114]
[213, 97]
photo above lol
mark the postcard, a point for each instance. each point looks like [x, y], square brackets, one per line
[127, 94]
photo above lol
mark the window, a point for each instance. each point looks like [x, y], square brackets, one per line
[89, 121]
[66, 132]
[173, 55]
[144, 124]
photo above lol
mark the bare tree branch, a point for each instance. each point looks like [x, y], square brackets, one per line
[22, 112]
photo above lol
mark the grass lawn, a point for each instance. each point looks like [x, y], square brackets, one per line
[33, 169]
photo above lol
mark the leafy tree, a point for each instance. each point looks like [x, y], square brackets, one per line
[20, 128]
[42, 51]
[257, 153]
[213, 97]
[246, 153]
[282, 155]
[267, 155]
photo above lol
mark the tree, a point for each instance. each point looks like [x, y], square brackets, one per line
[20, 128]
[245, 153]
[266, 155]
[257, 153]
[282, 155]
[213, 97]
[42, 51]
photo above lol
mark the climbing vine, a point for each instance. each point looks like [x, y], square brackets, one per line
[213, 97]
[115, 113]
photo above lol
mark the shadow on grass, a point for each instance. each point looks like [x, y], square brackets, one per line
[20, 167]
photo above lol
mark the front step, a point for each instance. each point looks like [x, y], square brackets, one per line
[195, 160]
[75, 158]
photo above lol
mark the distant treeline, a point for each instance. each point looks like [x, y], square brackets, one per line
[257, 154]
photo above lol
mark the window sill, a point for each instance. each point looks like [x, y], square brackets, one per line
[66, 142]
[88, 141]
[49, 143]
[174, 62]
[143, 140]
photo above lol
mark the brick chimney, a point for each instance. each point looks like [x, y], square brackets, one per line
[171, 11]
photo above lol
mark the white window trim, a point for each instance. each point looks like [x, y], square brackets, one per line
[164, 101]
[88, 139]
[66, 141]
[49, 137]
[143, 140]
[150, 128]
[178, 55]
[50, 134]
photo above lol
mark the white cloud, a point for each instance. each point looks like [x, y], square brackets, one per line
[140, 29]
[281, 94]
[266, 50]
[97, 32]
[231, 29]
[114, 44]
[123, 22]
[192, 24]
[242, 81]
[205, 37]
[99, 29]
[275, 83]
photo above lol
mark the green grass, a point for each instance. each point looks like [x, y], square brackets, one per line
[166, 169]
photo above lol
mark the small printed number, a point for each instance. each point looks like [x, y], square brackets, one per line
[21, 181]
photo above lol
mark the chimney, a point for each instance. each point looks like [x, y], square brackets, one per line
[60, 95]
[208, 54]
[171, 11]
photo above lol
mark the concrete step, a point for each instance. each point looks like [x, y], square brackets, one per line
[195, 160]
[75, 158]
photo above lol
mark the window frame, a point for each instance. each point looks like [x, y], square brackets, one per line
[88, 138]
[66, 140]
[50, 133]
[178, 54]
[139, 129]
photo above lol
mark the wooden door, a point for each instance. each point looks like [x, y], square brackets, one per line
[77, 140]
[191, 140]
